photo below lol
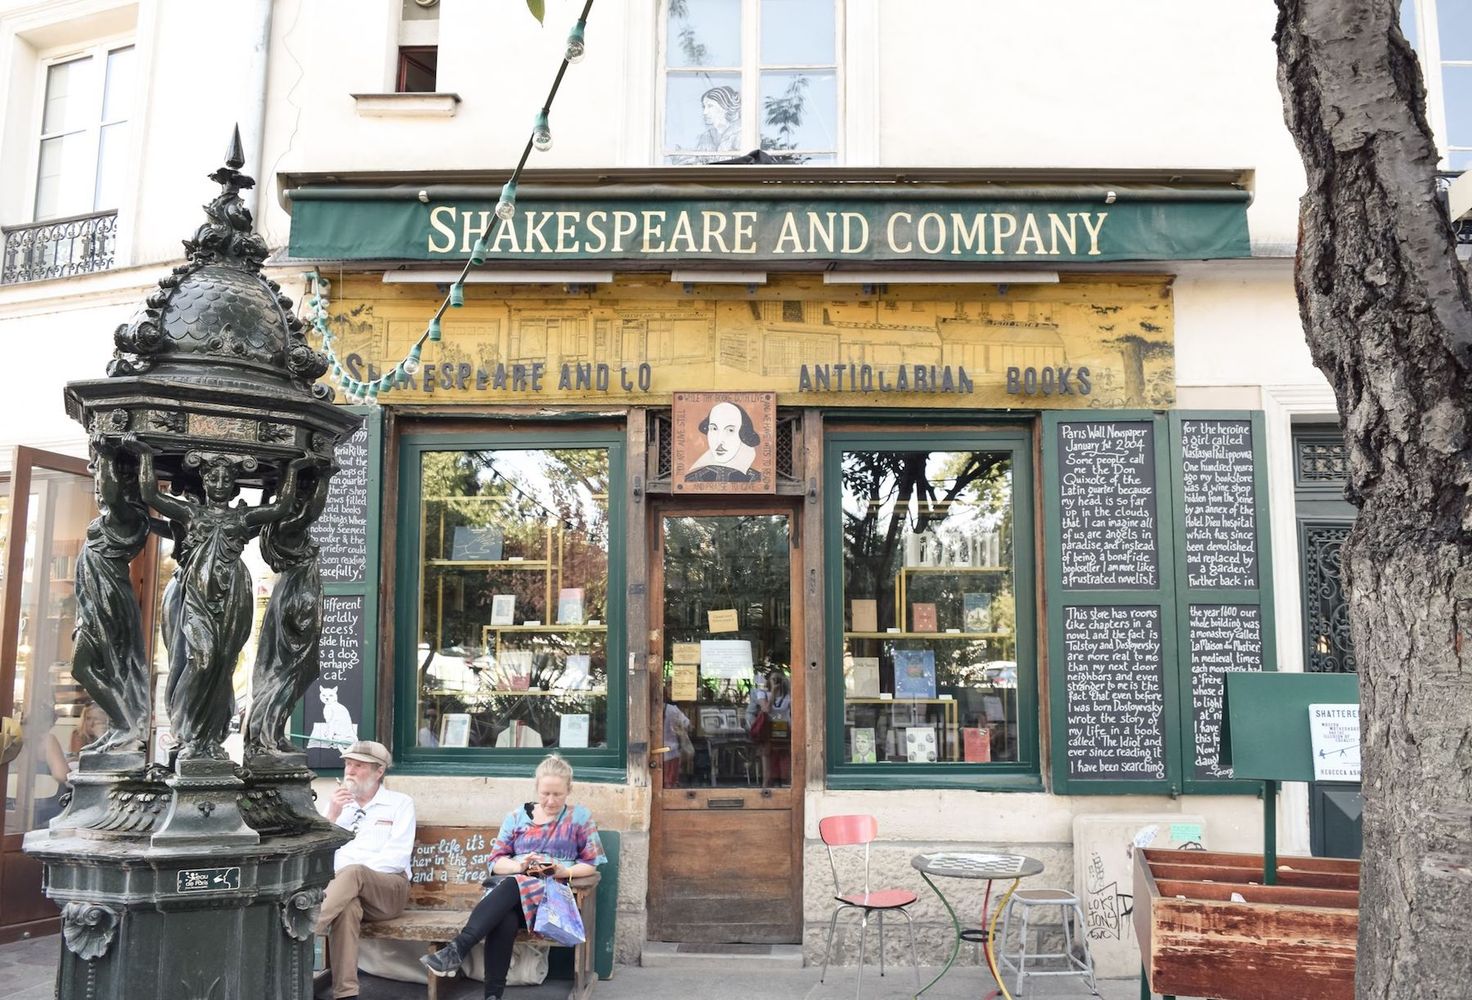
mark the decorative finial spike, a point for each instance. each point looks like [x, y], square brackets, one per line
[235, 156]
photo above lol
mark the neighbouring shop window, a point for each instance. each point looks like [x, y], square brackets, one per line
[929, 671]
[513, 599]
[741, 75]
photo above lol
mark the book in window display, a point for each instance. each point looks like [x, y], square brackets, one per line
[914, 673]
[920, 745]
[864, 616]
[977, 611]
[861, 676]
[517, 666]
[570, 606]
[455, 730]
[864, 750]
[923, 618]
[519, 734]
[577, 673]
[573, 731]
[476, 544]
[976, 745]
[503, 609]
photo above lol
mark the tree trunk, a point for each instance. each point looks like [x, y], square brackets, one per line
[1385, 306]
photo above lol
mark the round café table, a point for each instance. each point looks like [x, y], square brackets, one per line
[977, 866]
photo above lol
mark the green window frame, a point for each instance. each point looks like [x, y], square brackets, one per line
[606, 763]
[1025, 773]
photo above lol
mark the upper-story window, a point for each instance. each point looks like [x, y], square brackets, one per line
[1441, 33]
[741, 75]
[419, 47]
[83, 154]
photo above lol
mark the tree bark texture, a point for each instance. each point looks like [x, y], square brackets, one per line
[1385, 306]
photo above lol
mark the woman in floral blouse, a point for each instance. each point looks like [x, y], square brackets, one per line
[544, 838]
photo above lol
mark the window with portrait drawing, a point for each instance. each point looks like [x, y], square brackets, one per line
[741, 75]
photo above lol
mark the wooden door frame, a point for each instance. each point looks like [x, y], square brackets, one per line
[714, 506]
[23, 460]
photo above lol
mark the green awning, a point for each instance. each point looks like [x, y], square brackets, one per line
[789, 225]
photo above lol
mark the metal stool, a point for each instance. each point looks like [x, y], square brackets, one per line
[1069, 913]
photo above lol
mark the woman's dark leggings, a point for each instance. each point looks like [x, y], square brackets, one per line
[495, 919]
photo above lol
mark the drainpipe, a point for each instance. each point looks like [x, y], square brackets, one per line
[253, 111]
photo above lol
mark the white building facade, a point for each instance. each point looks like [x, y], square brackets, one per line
[381, 132]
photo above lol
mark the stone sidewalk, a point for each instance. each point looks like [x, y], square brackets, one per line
[27, 972]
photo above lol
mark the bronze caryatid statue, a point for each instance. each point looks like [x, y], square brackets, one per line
[211, 615]
[108, 650]
[287, 659]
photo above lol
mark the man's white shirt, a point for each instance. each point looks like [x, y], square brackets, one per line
[383, 833]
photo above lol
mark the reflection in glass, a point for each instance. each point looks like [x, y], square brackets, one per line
[728, 651]
[799, 111]
[514, 599]
[929, 650]
[703, 33]
[47, 698]
[797, 32]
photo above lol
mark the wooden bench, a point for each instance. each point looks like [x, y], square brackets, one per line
[449, 864]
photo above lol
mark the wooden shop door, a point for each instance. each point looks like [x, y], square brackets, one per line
[44, 511]
[726, 826]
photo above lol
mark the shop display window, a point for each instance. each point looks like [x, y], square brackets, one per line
[932, 607]
[513, 599]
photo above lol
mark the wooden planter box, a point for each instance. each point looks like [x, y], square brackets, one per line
[1294, 939]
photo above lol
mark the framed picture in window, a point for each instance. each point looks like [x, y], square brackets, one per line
[724, 442]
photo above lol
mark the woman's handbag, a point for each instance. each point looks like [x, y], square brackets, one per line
[558, 918]
[761, 726]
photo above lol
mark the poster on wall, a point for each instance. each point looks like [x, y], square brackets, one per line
[724, 442]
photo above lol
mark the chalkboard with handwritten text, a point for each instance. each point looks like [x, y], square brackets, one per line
[1114, 697]
[1108, 500]
[342, 530]
[1223, 637]
[334, 702]
[1218, 504]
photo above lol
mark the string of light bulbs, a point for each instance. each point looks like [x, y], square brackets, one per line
[367, 391]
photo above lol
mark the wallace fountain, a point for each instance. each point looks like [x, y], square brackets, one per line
[199, 879]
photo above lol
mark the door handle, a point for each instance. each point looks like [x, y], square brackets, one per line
[657, 752]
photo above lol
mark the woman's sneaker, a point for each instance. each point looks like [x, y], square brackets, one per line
[445, 962]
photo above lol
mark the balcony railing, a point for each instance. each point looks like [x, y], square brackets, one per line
[59, 248]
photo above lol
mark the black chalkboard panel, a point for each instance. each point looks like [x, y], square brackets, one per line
[342, 530]
[335, 699]
[1114, 693]
[1218, 504]
[1223, 637]
[1108, 505]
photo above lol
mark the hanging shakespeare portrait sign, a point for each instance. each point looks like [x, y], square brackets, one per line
[724, 442]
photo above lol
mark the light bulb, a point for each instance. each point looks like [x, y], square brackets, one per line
[576, 47]
[506, 207]
[411, 363]
[542, 132]
[434, 324]
[478, 252]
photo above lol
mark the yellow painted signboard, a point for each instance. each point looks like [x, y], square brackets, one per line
[1080, 343]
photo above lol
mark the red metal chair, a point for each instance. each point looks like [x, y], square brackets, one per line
[855, 831]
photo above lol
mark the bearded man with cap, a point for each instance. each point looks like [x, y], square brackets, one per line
[372, 880]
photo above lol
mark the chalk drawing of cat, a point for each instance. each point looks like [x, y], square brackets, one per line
[336, 717]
